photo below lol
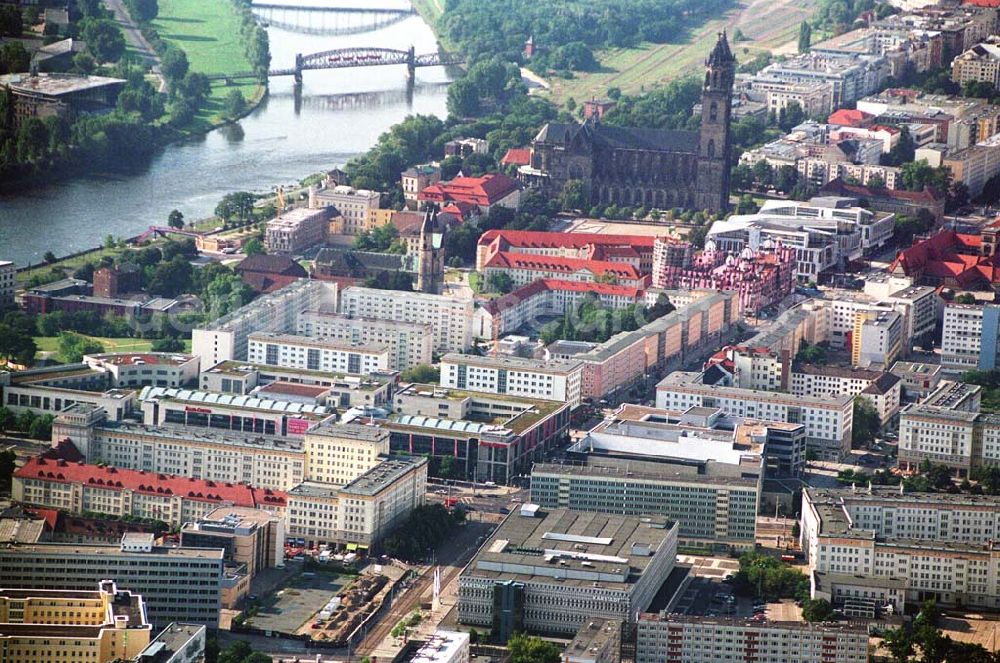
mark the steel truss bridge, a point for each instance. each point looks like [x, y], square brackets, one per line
[329, 20]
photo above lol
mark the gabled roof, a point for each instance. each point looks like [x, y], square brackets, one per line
[847, 117]
[481, 191]
[559, 265]
[552, 240]
[271, 264]
[517, 156]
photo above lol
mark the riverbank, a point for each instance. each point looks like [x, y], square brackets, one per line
[209, 34]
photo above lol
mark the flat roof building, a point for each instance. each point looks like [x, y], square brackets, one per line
[557, 380]
[552, 571]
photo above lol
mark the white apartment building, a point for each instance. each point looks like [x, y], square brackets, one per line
[882, 389]
[961, 336]
[226, 338]
[828, 420]
[449, 317]
[559, 380]
[671, 638]
[878, 338]
[939, 545]
[221, 456]
[8, 272]
[444, 647]
[296, 230]
[315, 354]
[339, 453]
[362, 512]
[409, 343]
[354, 205]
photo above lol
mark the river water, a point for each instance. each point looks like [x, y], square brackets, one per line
[337, 115]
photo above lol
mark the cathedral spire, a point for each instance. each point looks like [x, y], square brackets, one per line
[721, 54]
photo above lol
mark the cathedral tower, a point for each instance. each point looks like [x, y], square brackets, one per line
[714, 150]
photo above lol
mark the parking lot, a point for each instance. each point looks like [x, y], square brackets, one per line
[287, 610]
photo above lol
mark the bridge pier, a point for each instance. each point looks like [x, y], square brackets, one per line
[411, 65]
[298, 69]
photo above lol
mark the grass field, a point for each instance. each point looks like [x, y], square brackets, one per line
[208, 31]
[770, 25]
[51, 344]
[68, 264]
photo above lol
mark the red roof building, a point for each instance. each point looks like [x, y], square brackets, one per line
[524, 268]
[847, 117]
[76, 486]
[483, 192]
[889, 200]
[517, 156]
[267, 273]
[633, 249]
[957, 260]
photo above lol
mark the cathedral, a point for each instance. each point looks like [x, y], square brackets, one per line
[646, 167]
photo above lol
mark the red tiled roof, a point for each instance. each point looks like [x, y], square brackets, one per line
[460, 209]
[517, 156]
[552, 240]
[846, 117]
[292, 389]
[982, 3]
[949, 255]
[926, 196]
[481, 191]
[505, 259]
[544, 285]
[151, 483]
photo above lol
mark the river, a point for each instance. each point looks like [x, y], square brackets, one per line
[339, 114]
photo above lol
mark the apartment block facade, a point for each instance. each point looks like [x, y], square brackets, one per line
[558, 380]
[409, 343]
[449, 317]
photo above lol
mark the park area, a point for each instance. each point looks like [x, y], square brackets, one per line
[769, 25]
[208, 31]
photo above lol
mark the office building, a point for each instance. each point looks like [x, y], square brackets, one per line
[177, 643]
[449, 317]
[52, 389]
[409, 343]
[828, 420]
[149, 369]
[552, 571]
[635, 250]
[939, 545]
[65, 626]
[177, 584]
[317, 354]
[674, 465]
[969, 337]
[487, 437]
[357, 207]
[339, 453]
[341, 390]
[597, 641]
[296, 230]
[529, 378]
[253, 538]
[226, 338]
[265, 461]
[918, 379]
[78, 488]
[361, 513]
[685, 639]
[880, 388]
[443, 647]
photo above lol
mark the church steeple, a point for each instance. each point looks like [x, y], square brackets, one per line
[714, 142]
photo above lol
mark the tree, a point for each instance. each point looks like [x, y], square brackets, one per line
[175, 219]
[235, 105]
[965, 298]
[11, 21]
[791, 116]
[171, 278]
[499, 282]
[532, 649]
[49, 257]
[573, 196]
[903, 151]
[876, 183]
[899, 644]
[866, 421]
[805, 37]
[143, 10]
[236, 206]
[174, 64]
[463, 98]
[41, 427]
[103, 38]
[253, 247]
[422, 374]
[14, 58]
[168, 344]
[73, 346]
[84, 63]
[916, 175]
[818, 610]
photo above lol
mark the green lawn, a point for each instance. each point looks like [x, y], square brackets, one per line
[208, 31]
[51, 344]
[69, 263]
